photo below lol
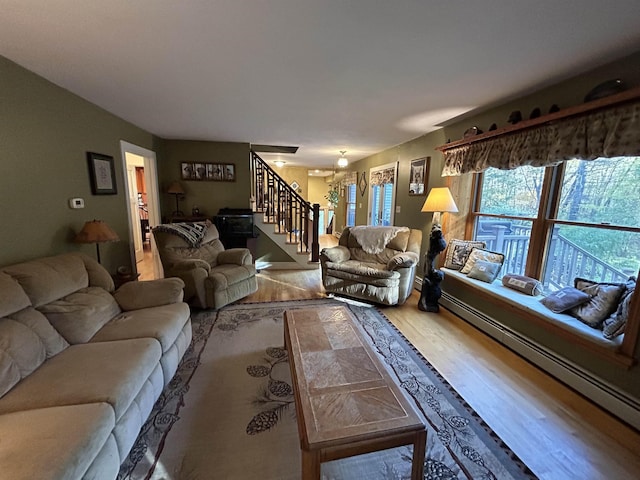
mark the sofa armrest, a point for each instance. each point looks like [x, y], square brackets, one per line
[337, 254]
[153, 293]
[236, 256]
[402, 260]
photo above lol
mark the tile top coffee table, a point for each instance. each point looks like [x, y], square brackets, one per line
[346, 401]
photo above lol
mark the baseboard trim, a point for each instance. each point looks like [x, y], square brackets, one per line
[602, 393]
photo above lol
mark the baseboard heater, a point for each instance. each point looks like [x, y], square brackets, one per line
[594, 388]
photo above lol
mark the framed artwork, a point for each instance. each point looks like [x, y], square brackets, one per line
[418, 175]
[102, 174]
[213, 172]
[362, 184]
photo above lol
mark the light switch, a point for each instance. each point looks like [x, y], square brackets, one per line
[76, 203]
[397, 208]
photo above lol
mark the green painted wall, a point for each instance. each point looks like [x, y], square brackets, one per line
[45, 132]
[564, 94]
[208, 196]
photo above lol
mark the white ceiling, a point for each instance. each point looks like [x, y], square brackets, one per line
[324, 75]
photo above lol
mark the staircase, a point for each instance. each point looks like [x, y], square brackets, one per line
[284, 216]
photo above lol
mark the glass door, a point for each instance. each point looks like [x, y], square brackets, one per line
[382, 194]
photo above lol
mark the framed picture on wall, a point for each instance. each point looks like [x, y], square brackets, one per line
[418, 175]
[186, 171]
[102, 174]
[212, 172]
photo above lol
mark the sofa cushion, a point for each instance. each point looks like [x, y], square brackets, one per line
[222, 276]
[481, 254]
[21, 352]
[458, 251]
[48, 279]
[603, 301]
[53, 342]
[485, 271]
[616, 323]
[53, 443]
[12, 297]
[80, 315]
[109, 372]
[565, 299]
[367, 274]
[162, 323]
[522, 283]
[154, 293]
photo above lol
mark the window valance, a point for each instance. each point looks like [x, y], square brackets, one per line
[350, 178]
[610, 132]
[382, 177]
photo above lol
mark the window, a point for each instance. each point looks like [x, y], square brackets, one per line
[579, 219]
[351, 205]
[382, 194]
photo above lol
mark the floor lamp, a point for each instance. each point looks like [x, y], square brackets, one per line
[438, 201]
[176, 189]
[96, 231]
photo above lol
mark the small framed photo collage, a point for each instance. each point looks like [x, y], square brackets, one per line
[212, 172]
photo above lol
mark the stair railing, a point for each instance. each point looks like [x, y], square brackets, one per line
[282, 206]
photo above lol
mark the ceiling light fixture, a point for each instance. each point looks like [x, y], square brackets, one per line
[279, 163]
[342, 161]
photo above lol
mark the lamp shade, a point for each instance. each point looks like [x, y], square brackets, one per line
[439, 200]
[175, 188]
[96, 231]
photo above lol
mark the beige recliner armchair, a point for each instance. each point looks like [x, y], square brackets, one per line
[213, 276]
[373, 263]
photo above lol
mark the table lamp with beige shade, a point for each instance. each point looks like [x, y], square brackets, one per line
[96, 231]
[438, 201]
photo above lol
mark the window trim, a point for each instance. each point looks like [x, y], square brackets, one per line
[542, 227]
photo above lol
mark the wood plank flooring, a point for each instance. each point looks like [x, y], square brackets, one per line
[557, 432]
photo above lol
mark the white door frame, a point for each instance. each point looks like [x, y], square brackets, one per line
[153, 198]
[387, 166]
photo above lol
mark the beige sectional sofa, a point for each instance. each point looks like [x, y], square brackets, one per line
[81, 366]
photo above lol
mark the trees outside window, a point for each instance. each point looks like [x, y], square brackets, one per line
[578, 219]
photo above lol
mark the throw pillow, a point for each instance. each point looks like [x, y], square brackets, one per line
[616, 323]
[603, 302]
[565, 299]
[481, 254]
[523, 284]
[458, 252]
[485, 271]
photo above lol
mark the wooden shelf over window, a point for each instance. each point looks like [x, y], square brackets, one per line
[623, 97]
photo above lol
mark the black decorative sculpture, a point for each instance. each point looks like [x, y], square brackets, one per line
[439, 200]
[431, 291]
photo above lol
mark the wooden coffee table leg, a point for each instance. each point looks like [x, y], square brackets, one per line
[310, 465]
[419, 450]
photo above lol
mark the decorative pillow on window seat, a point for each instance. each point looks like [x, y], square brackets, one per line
[458, 251]
[522, 283]
[604, 301]
[481, 254]
[565, 299]
[616, 323]
[485, 271]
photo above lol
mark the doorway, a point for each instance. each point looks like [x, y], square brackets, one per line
[382, 194]
[141, 183]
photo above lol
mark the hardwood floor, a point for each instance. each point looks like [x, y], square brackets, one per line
[557, 432]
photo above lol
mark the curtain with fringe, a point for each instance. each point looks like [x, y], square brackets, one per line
[613, 132]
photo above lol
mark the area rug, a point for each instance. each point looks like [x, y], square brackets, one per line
[229, 412]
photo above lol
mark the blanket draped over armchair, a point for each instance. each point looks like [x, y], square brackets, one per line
[384, 276]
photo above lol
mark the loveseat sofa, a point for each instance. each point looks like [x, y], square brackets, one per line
[81, 366]
[376, 264]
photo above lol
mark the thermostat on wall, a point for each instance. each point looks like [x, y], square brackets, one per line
[76, 203]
